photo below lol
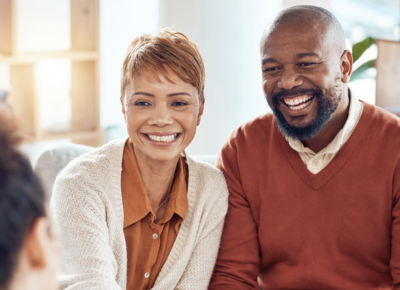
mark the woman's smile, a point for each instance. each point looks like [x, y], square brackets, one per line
[162, 139]
[162, 116]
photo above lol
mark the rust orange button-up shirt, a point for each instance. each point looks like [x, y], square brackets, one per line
[149, 244]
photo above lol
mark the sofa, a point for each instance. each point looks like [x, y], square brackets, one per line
[57, 156]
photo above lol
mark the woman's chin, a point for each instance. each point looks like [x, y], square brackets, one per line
[163, 157]
[153, 154]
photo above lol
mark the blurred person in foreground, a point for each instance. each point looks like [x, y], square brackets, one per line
[315, 186]
[29, 244]
[140, 213]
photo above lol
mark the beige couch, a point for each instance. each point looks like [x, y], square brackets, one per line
[55, 157]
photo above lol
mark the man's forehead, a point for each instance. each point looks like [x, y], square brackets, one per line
[298, 38]
[295, 46]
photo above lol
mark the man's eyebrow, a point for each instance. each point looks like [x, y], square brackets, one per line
[268, 60]
[304, 54]
[178, 94]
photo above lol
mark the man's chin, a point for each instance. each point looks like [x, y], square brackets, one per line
[298, 128]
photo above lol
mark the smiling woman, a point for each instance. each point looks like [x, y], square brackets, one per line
[164, 114]
[140, 213]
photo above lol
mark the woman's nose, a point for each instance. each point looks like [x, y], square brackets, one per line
[161, 116]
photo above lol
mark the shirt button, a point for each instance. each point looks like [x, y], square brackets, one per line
[315, 162]
[147, 275]
[155, 236]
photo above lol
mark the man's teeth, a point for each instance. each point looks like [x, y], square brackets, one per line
[167, 138]
[298, 107]
[294, 103]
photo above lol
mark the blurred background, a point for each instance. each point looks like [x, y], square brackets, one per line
[60, 60]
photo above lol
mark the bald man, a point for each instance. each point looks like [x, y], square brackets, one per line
[315, 186]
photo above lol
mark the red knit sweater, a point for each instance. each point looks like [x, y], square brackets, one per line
[287, 228]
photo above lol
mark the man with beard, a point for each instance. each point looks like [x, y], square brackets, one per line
[315, 186]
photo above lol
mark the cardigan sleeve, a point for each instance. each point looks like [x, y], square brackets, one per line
[238, 260]
[200, 266]
[87, 258]
[199, 269]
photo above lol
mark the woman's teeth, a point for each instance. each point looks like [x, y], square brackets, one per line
[167, 138]
[298, 103]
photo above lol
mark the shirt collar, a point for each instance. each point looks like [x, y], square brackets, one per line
[134, 196]
[355, 110]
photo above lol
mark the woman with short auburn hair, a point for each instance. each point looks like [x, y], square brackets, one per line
[140, 213]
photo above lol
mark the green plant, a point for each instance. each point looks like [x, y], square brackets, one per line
[358, 50]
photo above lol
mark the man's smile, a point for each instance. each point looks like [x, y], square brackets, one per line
[299, 105]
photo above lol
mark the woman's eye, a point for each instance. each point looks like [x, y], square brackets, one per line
[179, 104]
[142, 104]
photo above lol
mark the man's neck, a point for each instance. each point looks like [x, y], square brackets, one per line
[332, 127]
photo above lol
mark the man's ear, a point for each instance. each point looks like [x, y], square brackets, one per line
[35, 243]
[201, 110]
[346, 66]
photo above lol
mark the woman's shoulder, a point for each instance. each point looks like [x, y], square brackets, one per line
[208, 180]
[100, 161]
[98, 170]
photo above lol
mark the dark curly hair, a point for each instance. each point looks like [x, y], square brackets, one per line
[22, 200]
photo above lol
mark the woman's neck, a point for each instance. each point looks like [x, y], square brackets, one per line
[157, 177]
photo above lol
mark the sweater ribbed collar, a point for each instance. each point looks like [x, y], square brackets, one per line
[318, 180]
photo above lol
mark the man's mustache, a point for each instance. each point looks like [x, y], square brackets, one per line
[296, 92]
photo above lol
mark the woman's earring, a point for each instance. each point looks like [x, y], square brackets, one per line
[198, 123]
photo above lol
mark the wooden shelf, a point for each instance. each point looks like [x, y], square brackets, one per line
[33, 57]
[90, 138]
[84, 88]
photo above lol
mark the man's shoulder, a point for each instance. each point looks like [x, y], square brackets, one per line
[384, 117]
[256, 127]
[385, 122]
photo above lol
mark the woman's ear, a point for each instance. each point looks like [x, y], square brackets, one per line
[346, 66]
[201, 110]
[123, 107]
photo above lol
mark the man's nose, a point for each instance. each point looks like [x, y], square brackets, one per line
[161, 116]
[289, 79]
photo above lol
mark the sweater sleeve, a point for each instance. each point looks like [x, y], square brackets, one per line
[201, 264]
[395, 243]
[238, 260]
[87, 258]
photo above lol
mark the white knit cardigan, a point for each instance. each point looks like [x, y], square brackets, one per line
[88, 208]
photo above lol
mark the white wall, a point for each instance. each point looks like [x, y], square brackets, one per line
[227, 32]
[120, 22]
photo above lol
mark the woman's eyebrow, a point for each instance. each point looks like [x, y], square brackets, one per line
[177, 94]
[169, 95]
[142, 93]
